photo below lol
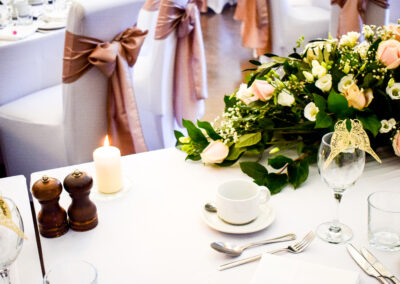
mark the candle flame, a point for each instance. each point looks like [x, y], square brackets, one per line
[106, 141]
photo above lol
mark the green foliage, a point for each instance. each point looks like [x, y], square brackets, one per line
[297, 172]
[209, 129]
[248, 139]
[337, 103]
[279, 161]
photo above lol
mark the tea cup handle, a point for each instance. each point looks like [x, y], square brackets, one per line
[265, 195]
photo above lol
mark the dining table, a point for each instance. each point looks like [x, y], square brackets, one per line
[154, 230]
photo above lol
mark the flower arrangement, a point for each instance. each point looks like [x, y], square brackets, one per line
[290, 102]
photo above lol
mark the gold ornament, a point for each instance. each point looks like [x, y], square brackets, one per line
[355, 138]
[6, 220]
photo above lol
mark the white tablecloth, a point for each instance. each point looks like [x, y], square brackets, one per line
[27, 265]
[155, 233]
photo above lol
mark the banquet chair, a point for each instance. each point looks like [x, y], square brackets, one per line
[218, 5]
[62, 124]
[289, 23]
[374, 15]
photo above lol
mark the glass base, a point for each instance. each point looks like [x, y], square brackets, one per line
[334, 233]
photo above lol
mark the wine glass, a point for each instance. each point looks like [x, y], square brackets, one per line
[343, 171]
[10, 242]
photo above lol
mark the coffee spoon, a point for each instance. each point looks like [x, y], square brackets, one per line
[236, 250]
[210, 207]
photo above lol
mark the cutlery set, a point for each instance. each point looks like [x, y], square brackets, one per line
[371, 265]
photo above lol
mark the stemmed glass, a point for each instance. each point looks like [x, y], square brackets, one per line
[342, 172]
[10, 242]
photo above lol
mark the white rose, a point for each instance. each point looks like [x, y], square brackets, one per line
[349, 39]
[285, 98]
[245, 94]
[324, 83]
[311, 111]
[394, 91]
[309, 76]
[345, 83]
[317, 69]
[215, 152]
[362, 49]
[387, 125]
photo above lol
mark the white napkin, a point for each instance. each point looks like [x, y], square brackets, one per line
[288, 270]
[54, 16]
[11, 33]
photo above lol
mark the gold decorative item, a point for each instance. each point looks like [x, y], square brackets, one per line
[6, 220]
[343, 139]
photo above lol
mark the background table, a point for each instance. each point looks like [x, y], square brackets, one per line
[155, 233]
[27, 265]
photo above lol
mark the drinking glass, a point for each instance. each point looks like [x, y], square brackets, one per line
[24, 12]
[384, 220]
[10, 242]
[75, 271]
[343, 171]
[4, 17]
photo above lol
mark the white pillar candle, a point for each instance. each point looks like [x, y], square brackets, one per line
[107, 161]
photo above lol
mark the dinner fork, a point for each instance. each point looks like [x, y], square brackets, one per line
[294, 248]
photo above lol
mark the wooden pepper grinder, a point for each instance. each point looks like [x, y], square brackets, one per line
[52, 217]
[82, 212]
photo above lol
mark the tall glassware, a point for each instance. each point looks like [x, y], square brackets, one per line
[10, 242]
[342, 172]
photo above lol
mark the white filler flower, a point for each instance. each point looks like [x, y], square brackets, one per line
[387, 125]
[324, 83]
[311, 111]
[345, 83]
[285, 98]
[394, 91]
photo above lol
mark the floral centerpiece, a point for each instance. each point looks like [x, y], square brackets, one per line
[290, 102]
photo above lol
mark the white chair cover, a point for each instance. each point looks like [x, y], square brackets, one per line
[63, 124]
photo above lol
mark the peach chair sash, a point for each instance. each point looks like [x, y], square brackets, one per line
[190, 78]
[352, 14]
[113, 59]
[256, 24]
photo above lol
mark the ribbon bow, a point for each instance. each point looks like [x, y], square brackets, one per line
[190, 80]
[113, 59]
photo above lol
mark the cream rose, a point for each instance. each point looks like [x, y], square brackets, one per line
[345, 83]
[387, 125]
[362, 49]
[262, 89]
[324, 83]
[215, 152]
[357, 98]
[394, 91]
[317, 69]
[389, 53]
[395, 30]
[285, 98]
[245, 94]
[309, 77]
[311, 111]
[396, 143]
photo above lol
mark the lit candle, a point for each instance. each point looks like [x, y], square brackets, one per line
[107, 161]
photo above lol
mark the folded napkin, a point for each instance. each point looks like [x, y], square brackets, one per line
[54, 16]
[287, 270]
[11, 33]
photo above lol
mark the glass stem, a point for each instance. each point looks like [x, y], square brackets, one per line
[336, 228]
[5, 276]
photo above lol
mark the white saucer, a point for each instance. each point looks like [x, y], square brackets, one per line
[49, 26]
[111, 196]
[266, 217]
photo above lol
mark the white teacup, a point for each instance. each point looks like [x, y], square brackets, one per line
[238, 201]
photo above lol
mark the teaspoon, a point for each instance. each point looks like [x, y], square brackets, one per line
[236, 250]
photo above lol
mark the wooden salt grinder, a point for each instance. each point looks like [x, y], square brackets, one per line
[52, 218]
[82, 212]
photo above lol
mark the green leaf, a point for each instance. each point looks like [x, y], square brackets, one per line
[337, 103]
[234, 153]
[193, 157]
[255, 171]
[229, 101]
[371, 123]
[279, 161]
[178, 134]
[209, 129]
[255, 62]
[323, 120]
[194, 133]
[298, 173]
[275, 182]
[320, 102]
[248, 140]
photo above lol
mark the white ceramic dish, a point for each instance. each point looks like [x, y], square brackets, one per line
[266, 217]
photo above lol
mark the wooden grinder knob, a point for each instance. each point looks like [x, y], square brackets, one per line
[82, 212]
[52, 218]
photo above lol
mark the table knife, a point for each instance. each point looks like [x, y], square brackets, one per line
[364, 264]
[378, 265]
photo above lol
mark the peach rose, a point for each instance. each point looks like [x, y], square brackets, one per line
[215, 152]
[263, 90]
[396, 144]
[395, 30]
[357, 98]
[389, 53]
